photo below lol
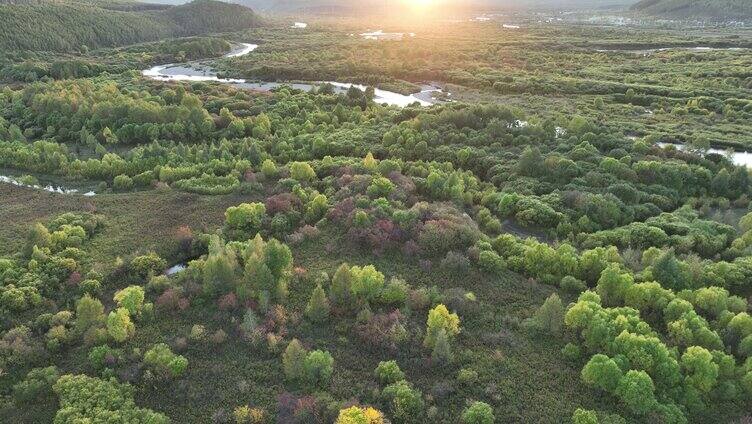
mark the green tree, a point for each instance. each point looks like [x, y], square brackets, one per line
[478, 413]
[318, 367]
[550, 316]
[613, 285]
[340, 290]
[406, 404]
[268, 168]
[302, 171]
[636, 391]
[602, 372]
[119, 325]
[317, 309]
[442, 351]
[668, 271]
[389, 372]
[89, 313]
[530, 162]
[700, 371]
[219, 272]
[131, 298]
[293, 360]
[245, 220]
[584, 416]
[37, 385]
[367, 282]
[85, 399]
[439, 319]
[38, 236]
[164, 362]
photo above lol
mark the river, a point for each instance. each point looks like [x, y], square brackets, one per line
[49, 187]
[197, 71]
[738, 158]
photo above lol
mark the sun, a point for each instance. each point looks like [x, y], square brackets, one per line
[418, 4]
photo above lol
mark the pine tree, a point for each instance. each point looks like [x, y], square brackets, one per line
[317, 309]
[550, 316]
[339, 292]
[442, 352]
[293, 360]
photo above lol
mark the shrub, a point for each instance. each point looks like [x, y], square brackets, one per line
[104, 356]
[247, 415]
[491, 262]
[162, 361]
[218, 337]
[383, 331]
[478, 413]
[198, 333]
[571, 352]
[455, 262]
[572, 285]
[122, 183]
[389, 372]
[467, 376]
[141, 267]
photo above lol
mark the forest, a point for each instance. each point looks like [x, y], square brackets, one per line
[561, 232]
[71, 26]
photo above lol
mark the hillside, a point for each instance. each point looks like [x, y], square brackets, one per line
[707, 9]
[205, 16]
[68, 26]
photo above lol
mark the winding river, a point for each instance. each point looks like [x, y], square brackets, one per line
[201, 72]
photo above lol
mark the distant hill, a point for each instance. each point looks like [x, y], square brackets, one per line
[703, 9]
[205, 16]
[347, 6]
[69, 25]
